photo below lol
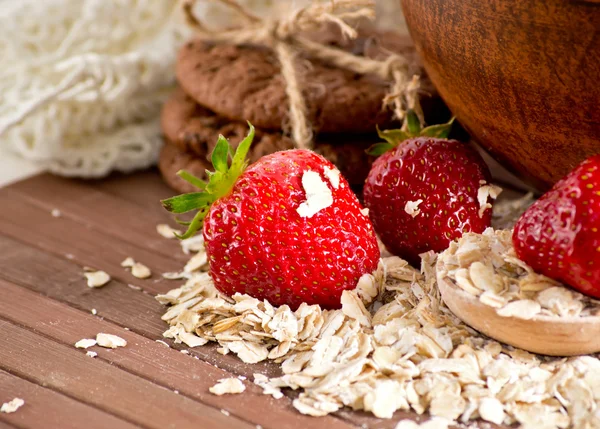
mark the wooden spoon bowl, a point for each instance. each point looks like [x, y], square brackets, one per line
[542, 334]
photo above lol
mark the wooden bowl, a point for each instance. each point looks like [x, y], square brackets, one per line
[522, 76]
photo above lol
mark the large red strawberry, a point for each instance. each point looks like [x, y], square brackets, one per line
[558, 236]
[422, 192]
[287, 229]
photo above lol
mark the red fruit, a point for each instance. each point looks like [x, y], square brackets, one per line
[441, 177]
[263, 239]
[558, 236]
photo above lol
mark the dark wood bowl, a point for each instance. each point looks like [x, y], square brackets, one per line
[522, 76]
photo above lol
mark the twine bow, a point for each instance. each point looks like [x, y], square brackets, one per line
[284, 37]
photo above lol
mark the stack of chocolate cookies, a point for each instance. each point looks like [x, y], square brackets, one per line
[222, 86]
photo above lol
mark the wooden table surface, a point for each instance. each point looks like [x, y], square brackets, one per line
[46, 307]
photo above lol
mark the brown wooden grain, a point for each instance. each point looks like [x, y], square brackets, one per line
[55, 410]
[143, 189]
[6, 425]
[32, 255]
[60, 279]
[49, 275]
[53, 277]
[520, 75]
[102, 212]
[93, 381]
[85, 245]
[150, 360]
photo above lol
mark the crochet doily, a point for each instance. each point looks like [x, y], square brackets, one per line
[82, 81]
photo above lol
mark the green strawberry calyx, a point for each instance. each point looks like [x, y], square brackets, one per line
[413, 129]
[220, 182]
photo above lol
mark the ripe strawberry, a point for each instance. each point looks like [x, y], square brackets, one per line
[422, 192]
[287, 229]
[558, 236]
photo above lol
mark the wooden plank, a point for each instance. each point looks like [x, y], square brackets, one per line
[52, 410]
[123, 306]
[60, 280]
[132, 309]
[142, 188]
[93, 381]
[101, 211]
[88, 247]
[150, 360]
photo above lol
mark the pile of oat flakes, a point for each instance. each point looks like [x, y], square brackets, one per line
[393, 346]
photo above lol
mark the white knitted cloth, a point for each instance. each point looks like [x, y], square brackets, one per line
[82, 81]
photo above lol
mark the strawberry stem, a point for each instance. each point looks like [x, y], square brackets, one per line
[220, 182]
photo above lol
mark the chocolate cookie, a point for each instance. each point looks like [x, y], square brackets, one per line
[194, 131]
[172, 159]
[243, 83]
[348, 155]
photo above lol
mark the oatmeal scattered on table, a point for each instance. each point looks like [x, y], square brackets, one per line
[12, 406]
[138, 269]
[227, 386]
[96, 278]
[110, 341]
[393, 346]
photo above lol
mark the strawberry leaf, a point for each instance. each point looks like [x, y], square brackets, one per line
[220, 154]
[239, 161]
[182, 222]
[191, 179]
[186, 202]
[220, 182]
[440, 131]
[393, 137]
[379, 148]
[195, 224]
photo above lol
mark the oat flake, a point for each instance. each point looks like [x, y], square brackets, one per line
[166, 231]
[85, 343]
[412, 207]
[333, 175]
[110, 341]
[318, 194]
[96, 278]
[12, 406]
[227, 386]
[137, 269]
[485, 265]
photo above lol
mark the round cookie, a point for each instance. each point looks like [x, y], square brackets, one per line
[243, 83]
[172, 159]
[349, 156]
[195, 130]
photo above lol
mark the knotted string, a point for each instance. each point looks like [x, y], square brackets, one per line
[284, 37]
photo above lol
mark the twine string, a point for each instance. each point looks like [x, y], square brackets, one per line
[284, 37]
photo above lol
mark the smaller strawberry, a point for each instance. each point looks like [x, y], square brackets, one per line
[422, 192]
[287, 228]
[559, 235]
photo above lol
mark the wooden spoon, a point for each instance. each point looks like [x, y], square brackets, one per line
[541, 334]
